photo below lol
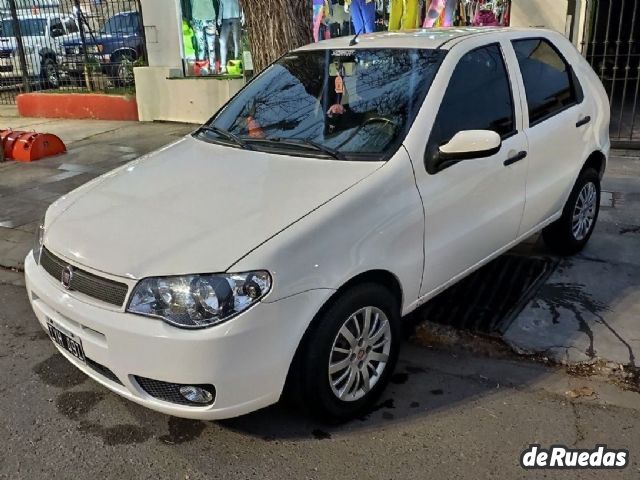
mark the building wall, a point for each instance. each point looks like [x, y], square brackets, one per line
[178, 99]
[162, 27]
[162, 92]
[540, 13]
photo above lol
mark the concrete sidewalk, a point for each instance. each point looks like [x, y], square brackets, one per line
[589, 309]
[94, 147]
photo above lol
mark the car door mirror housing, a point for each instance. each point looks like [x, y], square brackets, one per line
[470, 144]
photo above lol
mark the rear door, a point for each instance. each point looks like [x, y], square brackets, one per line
[557, 119]
[473, 208]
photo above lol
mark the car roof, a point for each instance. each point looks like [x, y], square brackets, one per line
[427, 38]
[43, 15]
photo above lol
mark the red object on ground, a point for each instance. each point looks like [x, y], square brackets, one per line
[30, 146]
[95, 106]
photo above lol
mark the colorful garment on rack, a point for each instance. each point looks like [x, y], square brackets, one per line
[440, 13]
[363, 15]
[403, 15]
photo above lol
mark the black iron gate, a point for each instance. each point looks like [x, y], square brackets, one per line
[69, 45]
[611, 44]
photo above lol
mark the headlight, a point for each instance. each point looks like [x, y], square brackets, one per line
[38, 242]
[198, 301]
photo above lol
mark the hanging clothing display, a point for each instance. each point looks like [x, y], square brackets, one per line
[363, 15]
[229, 22]
[322, 12]
[440, 13]
[487, 13]
[403, 15]
[203, 23]
[336, 18]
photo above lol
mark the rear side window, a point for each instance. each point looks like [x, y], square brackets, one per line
[549, 82]
[478, 98]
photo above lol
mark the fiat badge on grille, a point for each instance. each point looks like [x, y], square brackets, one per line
[67, 275]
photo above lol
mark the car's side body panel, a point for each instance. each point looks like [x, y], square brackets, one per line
[558, 149]
[473, 209]
[378, 224]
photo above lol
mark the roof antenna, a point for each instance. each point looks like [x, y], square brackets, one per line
[354, 40]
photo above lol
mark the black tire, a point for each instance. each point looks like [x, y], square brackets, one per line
[309, 383]
[50, 74]
[122, 69]
[560, 236]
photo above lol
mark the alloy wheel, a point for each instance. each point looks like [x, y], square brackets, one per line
[359, 354]
[52, 75]
[125, 71]
[584, 212]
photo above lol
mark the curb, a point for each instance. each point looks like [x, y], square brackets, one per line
[93, 106]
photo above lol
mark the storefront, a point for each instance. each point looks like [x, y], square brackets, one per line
[199, 53]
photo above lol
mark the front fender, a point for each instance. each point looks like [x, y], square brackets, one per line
[378, 224]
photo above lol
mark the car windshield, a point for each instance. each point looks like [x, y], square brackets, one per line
[29, 27]
[348, 104]
[123, 23]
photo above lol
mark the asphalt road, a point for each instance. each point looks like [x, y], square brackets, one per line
[447, 415]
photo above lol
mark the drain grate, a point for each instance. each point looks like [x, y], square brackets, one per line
[488, 300]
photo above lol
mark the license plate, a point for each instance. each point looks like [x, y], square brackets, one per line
[67, 340]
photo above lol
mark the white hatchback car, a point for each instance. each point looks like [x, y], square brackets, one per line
[278, 246]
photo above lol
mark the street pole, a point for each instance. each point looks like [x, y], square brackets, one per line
[83, 42]
[18, 34]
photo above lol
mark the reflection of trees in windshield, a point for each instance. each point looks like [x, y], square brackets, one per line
[299, 98]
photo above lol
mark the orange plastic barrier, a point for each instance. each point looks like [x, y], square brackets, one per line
[30, 146]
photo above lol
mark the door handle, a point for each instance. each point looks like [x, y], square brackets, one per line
[516, 158]
[584, 121]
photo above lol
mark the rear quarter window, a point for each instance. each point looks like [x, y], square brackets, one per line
[550, 83]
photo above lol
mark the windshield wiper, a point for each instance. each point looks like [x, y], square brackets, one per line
[302, 142]
[226, 134]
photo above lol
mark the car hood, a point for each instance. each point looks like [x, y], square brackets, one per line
[192, 207]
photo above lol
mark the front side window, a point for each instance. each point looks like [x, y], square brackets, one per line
[478, 98]
[350, 104]
[549, 82]
[56, 29]
[29, 27]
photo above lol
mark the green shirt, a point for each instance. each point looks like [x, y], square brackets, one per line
[203, 10]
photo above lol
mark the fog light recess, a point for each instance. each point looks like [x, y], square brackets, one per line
[196, 394]
[179, 393]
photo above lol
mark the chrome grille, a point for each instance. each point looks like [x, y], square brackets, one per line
[91, 285]
[170, 392]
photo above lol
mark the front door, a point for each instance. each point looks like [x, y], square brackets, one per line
[473, 208]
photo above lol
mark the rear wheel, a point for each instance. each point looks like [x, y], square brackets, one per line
[349, 353]
[123, 69]
[50, 74]
[569, 234]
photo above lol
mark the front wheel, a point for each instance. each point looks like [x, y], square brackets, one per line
[50, 73]
[349, 353]
[123, 70]
[571, 232]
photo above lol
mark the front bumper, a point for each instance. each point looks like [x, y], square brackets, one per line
[247, 358]
[76, 63]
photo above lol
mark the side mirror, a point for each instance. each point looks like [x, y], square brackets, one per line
[469, 144]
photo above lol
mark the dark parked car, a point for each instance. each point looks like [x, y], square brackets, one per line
[115, 48]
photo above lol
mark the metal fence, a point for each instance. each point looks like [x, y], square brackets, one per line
[69, 45]
[611, 43]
